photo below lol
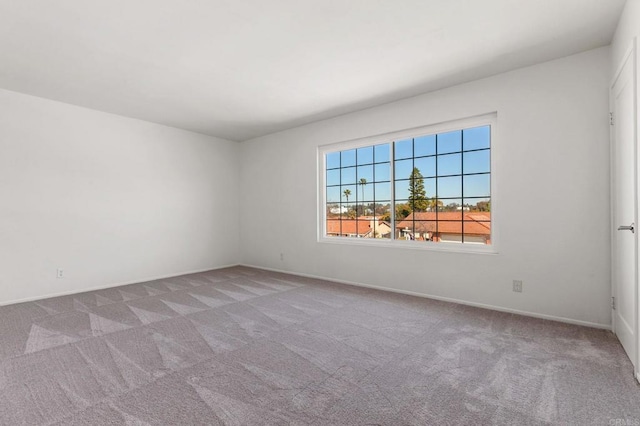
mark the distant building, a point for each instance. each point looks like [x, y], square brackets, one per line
[362, 227]
[339, 210]
[448, 227]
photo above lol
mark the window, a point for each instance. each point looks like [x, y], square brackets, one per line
[430, 186]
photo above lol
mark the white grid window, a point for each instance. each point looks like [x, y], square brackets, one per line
[428, 186]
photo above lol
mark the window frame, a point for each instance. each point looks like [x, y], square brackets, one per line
[489, 119]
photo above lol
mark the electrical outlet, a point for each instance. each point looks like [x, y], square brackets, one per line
[281, 256]
[59, 273]
[517, 286]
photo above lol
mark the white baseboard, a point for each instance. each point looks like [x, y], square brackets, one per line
[111, 285]
[445, 299]
[353, 283]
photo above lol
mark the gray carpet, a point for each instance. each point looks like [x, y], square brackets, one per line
[242, 346]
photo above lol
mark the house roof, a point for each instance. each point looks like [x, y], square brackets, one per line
[349, 226]
[475, 223]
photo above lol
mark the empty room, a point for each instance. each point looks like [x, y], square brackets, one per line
[319, 212]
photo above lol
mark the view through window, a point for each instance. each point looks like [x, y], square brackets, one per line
[433, 187]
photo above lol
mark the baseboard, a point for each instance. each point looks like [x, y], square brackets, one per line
[444, 299]
[103, 287]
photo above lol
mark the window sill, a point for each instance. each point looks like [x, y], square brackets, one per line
[446, 247]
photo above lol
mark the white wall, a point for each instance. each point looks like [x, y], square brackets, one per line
[109, 199]
[628, 28]
[553, 178]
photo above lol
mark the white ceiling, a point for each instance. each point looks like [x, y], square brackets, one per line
[238, 69]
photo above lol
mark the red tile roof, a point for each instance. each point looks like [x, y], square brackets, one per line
[476, 223]
[348, 226]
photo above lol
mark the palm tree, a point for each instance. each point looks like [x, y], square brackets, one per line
[362, 183]
[346, 194]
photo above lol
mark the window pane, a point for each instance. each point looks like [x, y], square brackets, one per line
[348, 175]
[479, 217]
[446, 212]
[403, 149]
[383, 210]
[333, 160]
[349, 227]
[402, 189]
[348, 158]
[450, 187]
[477, 186]
[365, 193]
[403, 228]
[450, 231]
[424, 230]
[381, 228]
[348, 210]
[333, 194]
[348, 193]
[365, 172]
[364, 229]
[382, 172]
[477, 161]
[424, 145]
[477, 138]
[478, 232]
[360, 209]
[450, 205]
[365, 155]
[449, 142]
[449, 164]
[430, 187]
[333, 227]
[383, 191]
[403, 169]
[427, 166]
[403, 193]
[333, 177]
[478, 204]
[403, 210]
[381, 153]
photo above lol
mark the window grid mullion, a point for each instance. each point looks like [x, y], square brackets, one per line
[413, 206]
[462, 184]
[356, 186]
[437, 195]
[373, 174]
[340, 198]
[392, 189]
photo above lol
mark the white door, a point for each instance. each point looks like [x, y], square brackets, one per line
[624, 265]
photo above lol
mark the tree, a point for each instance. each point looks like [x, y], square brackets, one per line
[417, 194]
[402, 210]
[484, 206]
[452, 207]
[347, 193]
[383, 212]
[433, 203]
[362, 183]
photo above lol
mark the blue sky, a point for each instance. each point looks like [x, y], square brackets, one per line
[370, 162]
